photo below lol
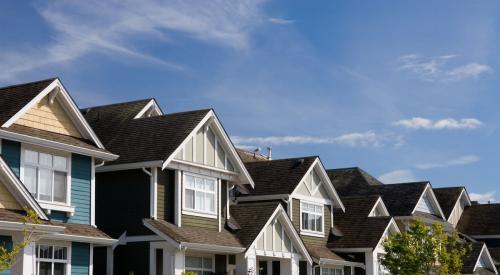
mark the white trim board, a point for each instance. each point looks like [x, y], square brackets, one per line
[428, 188]
[150, 106]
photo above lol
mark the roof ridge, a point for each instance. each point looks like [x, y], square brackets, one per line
[342, 168]
[28, 83]
[450, 187]
[285, 159]
[118, 103]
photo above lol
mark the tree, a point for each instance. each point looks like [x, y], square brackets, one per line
[8, 256]
[423, 249]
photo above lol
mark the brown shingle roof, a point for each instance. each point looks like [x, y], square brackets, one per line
[447, 198]
[480, 219]
[348, 180]
[247, 156]
[323, 252]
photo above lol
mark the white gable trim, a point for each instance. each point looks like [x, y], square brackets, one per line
[491, 263]
[382, 204]
[279, 213]
[151, 105]
[392, 225]
[19, 191]
[67, 103]
[211, 118]
[325, 182]
[462, 194]
[434, 201]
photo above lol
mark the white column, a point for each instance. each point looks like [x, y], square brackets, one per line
[178, 198]
[371, 263]
[26, 259]
[179, 262]
[310, 269]
[269, 267]
[91, 260]
[152, 260]
[168, 258]
[246, 263]
[294, 264]
[109, 260]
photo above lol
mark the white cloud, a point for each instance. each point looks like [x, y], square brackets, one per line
[280, 21]
[357, 139]
[111, 27]
[463, 160]
[437, 68]
[447, 123]
[483, 197]
[397, 176]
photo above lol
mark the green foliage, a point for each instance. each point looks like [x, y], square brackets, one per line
[8, 256]
[189, 273]
[421, 250]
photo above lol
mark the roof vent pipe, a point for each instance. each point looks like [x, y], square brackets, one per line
[269, 152]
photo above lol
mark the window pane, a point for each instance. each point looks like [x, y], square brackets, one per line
[189, 199]
[59, 269]
[31, 157]
[319, 223]
[209, 185]
[45, 268]
[209, 202]
[60, 181]
[45, 160]
[200, 201]
[190, 181]
[310, 221]
[305, 225]
[199, 183]
[207, 263]
[60, 163]
[318, 209]
[194, 262]
[45, 252]
[45, 184]
[30, 179]
[60, 253]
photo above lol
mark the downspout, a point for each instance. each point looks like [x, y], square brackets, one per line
[146, 171]
[100, 164]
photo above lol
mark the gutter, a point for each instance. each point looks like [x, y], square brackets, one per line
[39, 228]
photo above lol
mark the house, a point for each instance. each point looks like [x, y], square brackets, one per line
[48, 157]
[453, 201]
[302, 186]
[175, 177]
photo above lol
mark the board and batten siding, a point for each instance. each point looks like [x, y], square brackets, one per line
[80, 258]
[311, 240]
[81, 169]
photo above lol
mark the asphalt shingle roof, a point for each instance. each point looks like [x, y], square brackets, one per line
[347, 180]
[447, 198]
[480, 219]
[470, 259]
[247, 156]
[279, 176]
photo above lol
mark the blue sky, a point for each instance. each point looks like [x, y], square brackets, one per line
[406, 90]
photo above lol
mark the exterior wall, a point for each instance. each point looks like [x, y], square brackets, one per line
[188, 220]
[166, 195]
[223, 203]
[80, 258]
[7, 200]
[80, 188]
[11, 153]
[326, 224]
[6, 241]
[49, 117]
[122, 201]
[133, 257]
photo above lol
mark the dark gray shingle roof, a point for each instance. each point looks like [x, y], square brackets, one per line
[447, 198]
[347, 180]
[480, 219]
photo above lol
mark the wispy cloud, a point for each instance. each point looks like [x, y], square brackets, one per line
[447, 123]
[280, 21]
[397, 176]
[463, 160]
[438, 68]
[483, 197]
[357, 139]
[110, 27]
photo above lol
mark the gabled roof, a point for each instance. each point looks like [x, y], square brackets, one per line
[448, 198]
[495, 254]
[347, 180]
[480, 220]
[358, 230]
[472, 259]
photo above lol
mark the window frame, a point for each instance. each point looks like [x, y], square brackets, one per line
[194, 211]
[203, 257]
[309, 231]
[335, 269]
[55, 205]
[66, 262]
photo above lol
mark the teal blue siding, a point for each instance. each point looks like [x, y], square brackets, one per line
[11, 152]
[6, 242]
[80, 188]
[80, 258]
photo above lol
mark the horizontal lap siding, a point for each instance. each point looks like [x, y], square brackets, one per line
[80, 188]
[80, 258]
[326, 224]
[188, 220]
[11, 153]
[166, 195]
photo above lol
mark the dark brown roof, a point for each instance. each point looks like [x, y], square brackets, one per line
[14, 98]
[347, 180]
[367, 231]
[251, 217]
[495, 254]
[143, 139]
[447, 198]
[193, 234]
[480, 219]
[247, 156]
[323, 252]
[279, 176]
[84, 230]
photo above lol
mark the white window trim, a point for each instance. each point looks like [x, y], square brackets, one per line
[50, 205]
[67, 261]
[334, 268]
[310, 232]
[199, 256]
[194, 212]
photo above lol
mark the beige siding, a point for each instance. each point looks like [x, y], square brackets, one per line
[7, 201]
[49, 117]
[188, 220]
[326, 224]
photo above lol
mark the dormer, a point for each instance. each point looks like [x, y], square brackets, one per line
[428, 204]
[453, 201]
[379, 209]
[149, 110]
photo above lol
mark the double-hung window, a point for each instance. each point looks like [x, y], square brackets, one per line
[200, 194]
[332, 271]
[199, 265]
[46, 176]
[312, 217]
[51, 260]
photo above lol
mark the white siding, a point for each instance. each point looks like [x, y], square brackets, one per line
[425, 205]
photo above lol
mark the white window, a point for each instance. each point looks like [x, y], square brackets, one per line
[312, 217]
[200, 194]
[51, 260]
[199, 265]
[46, 176]
[332, 271]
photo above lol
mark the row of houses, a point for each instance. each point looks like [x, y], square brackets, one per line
[128, 189]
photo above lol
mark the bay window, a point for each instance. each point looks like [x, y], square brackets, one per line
[46, 175]
[199, 265]
[311, 217]
[51, 260]
[200, 194]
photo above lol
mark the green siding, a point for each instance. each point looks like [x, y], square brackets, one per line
[326, 224]
[160, 195]
[188, 220]
[223, 202]
[166, 195]
[80, 188]
[80, 258]
[11, 153]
